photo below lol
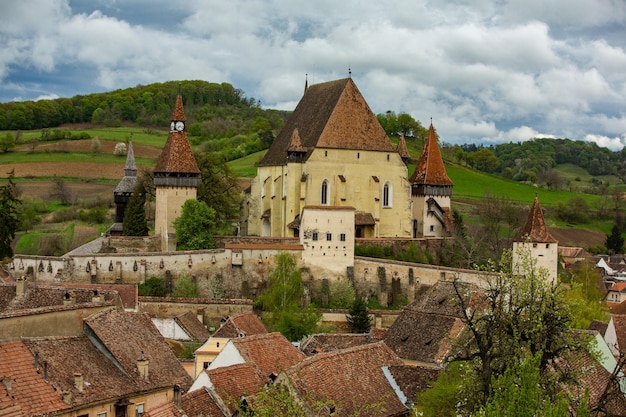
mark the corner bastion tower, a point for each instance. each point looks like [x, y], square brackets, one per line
[431, 190]
[176, 178]
[332, 152]
[542, 246]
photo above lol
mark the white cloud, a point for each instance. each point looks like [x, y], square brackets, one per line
[604, 141]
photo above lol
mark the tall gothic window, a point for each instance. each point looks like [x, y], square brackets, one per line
[387, 194]
[325, 193]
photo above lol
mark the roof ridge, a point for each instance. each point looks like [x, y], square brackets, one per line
[430, 169]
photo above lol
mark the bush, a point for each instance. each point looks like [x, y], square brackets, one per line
[120, 149]
[341, 294]
[152, 287]
[186, 287]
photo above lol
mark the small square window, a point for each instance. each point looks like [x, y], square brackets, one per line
[102, 414]
[342, 237]
[329, 236]
[139, 410]
[432, 228]
[314, 235]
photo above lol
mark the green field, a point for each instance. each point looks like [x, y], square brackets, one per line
[145, 136]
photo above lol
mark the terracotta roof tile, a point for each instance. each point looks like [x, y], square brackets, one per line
[194, 328]
[414, 379]
[130, 336]
[270, 353]
[330, 115]
[177, 156]
[296, 143]
[165, 410]
[200, 403]
[246, 324]
[535, 229]
[619, 322]
[430, 169]
[179, 112]
[327, 342]
[233, 382]
[402, 149]
[352, 379]
[29, 394]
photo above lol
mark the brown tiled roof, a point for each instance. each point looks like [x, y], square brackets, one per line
[327, 342]
[270, 353]
[351, 379]
[441, 298]
[535, 229]
[598, 326]
[130, 336]
[194, 328]
[41, 295]
[177, 156]
[29, 394]
[128, 293]
[233, 382]
[364, 219]
[165, 410]
[330, 115]
[616, 308]
[200, 403]
[414, 379]
[430, 169]
[619, 322]
[65, 356]
[179, 112]
[246, 324]
[402, 149]
[296, 144]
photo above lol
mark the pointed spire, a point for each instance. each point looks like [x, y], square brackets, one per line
[430, 169]
[130, 169]
[402, 149]
[535, 229]
[306, 82]
[179, 113]
[295, 145]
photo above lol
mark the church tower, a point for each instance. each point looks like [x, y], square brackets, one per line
[124, 190]
[176, 178]
[535, 239]
[431, 189]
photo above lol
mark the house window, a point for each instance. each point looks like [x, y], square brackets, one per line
[432, 228]
[342, 237]
[329, 236]
[325, 193]
[314, 235]
[547, 246]
[139, 410]
[387, 194]
[102, 414]
[205, 365]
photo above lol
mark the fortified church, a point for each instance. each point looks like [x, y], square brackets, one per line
[333, 152]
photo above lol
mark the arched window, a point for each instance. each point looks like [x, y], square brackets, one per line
[325, 197]
[387, 195]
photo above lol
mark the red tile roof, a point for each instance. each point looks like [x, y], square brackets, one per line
[177, 156]
[29, 394]
[270, 353]
[327, 342]
[165, 410]
[535, 229]
[430, 169]
[352, 380]
[244, 324]
[330, 115]
[179, 112]
[194, 328]
[402, 149]
[200, 403]
[231, 383]
[619, 322]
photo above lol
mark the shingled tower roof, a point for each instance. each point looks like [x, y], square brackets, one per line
[177, 156]
[128, 183]
[330, 115]
[535, 229]
[430, 169]
[402, 149]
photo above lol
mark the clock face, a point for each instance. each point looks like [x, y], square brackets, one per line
[172, 126]
[180, 126]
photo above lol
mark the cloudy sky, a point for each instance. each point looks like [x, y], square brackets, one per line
[486, 71]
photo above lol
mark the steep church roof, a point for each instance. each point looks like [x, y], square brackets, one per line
[535, 229]
[402, 149]
[430, 169]
[177, 156]
[332, 115]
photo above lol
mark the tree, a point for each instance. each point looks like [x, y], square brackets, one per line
[7, 142]
[283, 299]
[152, 287]
[342, 293]
[219, 189]
[9, 216]
[615, 241]
[358, 317]
[195, 227]
[513, 317]
[186, 287]
[61, 191]
[484, 160]
[135, 215]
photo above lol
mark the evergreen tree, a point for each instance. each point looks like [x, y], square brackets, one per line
[9, 217]
[614, 242]
[135, 215]
[358, 317]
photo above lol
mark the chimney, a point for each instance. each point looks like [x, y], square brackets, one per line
[7, 383]
[177, 396]
[200, 315]
[142, 367]
[78, 381]
[20, 286]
